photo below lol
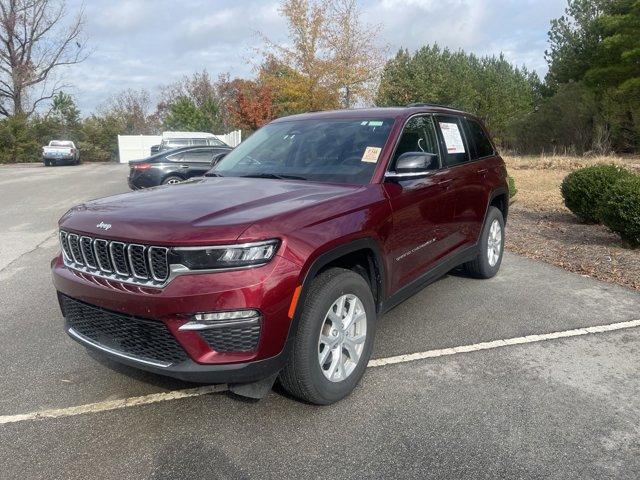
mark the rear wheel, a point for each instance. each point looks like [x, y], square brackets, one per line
[490, 247]
[171, 180]
[334, 339]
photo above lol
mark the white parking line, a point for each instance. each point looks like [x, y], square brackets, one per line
[378, 362]
[411, 357]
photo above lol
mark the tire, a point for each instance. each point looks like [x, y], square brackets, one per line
[303, 376]
[172, 179]
[487, 264]
[46, 163]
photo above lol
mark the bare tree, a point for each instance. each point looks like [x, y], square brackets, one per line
[132, 109]
[36, 38]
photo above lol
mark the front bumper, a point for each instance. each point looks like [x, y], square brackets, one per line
[268, 289]
[190, 371]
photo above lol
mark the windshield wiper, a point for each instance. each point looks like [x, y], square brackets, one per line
[279, 176]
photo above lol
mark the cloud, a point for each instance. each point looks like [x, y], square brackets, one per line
[148, 43]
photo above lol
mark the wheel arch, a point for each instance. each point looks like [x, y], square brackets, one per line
[499, 198]
[350, 253]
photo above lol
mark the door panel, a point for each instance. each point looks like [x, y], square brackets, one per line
[466, 192]
[196, 162]
[421, 208]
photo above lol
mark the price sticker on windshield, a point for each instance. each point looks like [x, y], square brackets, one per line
[371, 154]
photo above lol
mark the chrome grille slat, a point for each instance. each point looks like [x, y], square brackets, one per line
[64, 244]
[138, 260]
[114, 260]
[86, 248]
[74, 246]
[119, 258]
[158, 263]
[101, 249]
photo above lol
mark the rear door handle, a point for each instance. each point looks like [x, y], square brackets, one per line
[445, 183]
[184, 166]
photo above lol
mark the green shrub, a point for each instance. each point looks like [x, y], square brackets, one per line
[620, 211]
[584, 190]
[512, 187]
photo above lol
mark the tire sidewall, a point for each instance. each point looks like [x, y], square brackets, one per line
[493, 214]
[347, 283]
[171, 177]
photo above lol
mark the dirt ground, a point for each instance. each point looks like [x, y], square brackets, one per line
[541, 227]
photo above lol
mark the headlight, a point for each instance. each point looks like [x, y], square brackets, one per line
[222, 257]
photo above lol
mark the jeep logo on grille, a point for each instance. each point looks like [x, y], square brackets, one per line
[105, 226]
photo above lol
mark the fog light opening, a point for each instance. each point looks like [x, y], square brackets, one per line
[206, 320]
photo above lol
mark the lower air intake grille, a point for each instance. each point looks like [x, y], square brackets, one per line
[232, 339]
[137, 337]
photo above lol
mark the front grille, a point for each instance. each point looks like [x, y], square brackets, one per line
[137, 337]
[86, 247]
[232, 339]
[132, 263]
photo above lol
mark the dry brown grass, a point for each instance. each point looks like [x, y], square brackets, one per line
[541, 227]
[566, 162]
[538, 178]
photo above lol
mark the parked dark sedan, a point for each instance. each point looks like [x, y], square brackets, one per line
[173, 166]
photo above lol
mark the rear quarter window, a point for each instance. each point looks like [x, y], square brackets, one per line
[479, 139]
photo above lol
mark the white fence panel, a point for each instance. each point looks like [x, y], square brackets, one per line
[135, 147]
[232, 139]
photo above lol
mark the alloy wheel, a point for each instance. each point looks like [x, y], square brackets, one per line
[494, 243]
[342, 338]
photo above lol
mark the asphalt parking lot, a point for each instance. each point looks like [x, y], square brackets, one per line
[546, 408]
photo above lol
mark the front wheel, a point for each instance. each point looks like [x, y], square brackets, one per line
[490, 247]
[334, 339]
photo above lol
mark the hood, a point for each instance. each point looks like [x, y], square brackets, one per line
[210, 210]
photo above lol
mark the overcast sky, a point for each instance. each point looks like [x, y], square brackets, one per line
[148, 43]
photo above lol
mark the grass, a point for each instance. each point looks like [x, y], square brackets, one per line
[538, 178]
[541, 227]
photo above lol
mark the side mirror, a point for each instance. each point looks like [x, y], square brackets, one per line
[414, 165]
[216, 158]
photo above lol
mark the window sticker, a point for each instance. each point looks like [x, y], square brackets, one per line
[452, 137]
[376, 123]
[371, 154]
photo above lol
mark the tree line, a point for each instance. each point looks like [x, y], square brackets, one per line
[588, 102]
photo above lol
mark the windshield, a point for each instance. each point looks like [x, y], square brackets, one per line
[60, 143]
[338, 151]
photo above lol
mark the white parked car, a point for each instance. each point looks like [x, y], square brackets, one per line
[187, 139]
[60, 152]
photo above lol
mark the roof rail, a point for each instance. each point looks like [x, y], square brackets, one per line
[426, 104]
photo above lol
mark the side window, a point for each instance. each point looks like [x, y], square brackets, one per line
[215, 142]
[419, 135]
[453, 140]
[176, 142]
[198, 141]
[479, 138]
[198, 155]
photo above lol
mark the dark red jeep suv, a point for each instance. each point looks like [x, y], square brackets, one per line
[278, 263]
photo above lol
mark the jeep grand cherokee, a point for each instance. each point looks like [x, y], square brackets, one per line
[278, 264]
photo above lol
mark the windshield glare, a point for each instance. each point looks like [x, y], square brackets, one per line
[339, 151]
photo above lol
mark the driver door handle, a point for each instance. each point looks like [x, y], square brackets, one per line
[184, 166]
[445, 183]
